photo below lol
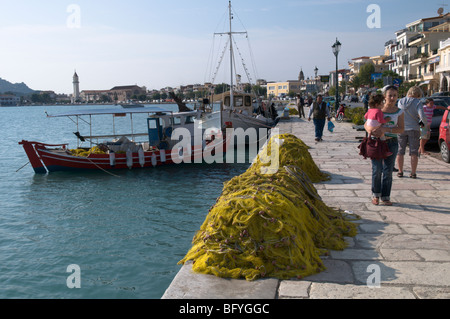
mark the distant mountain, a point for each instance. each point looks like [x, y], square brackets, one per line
[16, 88]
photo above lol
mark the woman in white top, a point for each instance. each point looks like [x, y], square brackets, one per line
[382, 169]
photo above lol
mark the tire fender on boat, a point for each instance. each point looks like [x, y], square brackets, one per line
[112, 159]
[129, 158]
[141, 157]
[162, 155]
[154, 159]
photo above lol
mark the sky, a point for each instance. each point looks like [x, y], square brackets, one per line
[160, 43]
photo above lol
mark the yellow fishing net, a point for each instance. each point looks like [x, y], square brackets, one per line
[270, 225]
[86, 152]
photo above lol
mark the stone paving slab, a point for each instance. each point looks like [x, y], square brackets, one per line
[190, 285]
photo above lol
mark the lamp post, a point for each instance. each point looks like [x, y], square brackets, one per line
[336, 48]
[315, 79]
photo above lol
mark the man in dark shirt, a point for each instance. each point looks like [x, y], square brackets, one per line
[319, 111]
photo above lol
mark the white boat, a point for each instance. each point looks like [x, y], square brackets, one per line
[239, 114]
[237, 109]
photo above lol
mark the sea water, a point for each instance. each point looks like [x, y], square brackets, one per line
[126, 232]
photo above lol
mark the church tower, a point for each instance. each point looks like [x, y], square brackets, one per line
[301, 76]
[76, 88]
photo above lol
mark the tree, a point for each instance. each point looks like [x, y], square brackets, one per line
[105, 99]
[365, 73]
[259, 90]
[356, 82]
[332, 90]
[220, 88]
[405, 86]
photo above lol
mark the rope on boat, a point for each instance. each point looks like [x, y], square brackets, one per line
[104, 170]
[23, 167]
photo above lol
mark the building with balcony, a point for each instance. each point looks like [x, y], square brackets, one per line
[443, 69]
[401, 52]
[424, 63]
[354, 67]
[414, 53]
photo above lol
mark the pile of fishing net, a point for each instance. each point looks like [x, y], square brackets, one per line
[271, 225]
[81, 152]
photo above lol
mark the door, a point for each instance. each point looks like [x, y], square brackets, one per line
[154, 131]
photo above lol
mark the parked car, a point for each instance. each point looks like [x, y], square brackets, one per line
[447, 93]
[442, 97]
[444, 137]
[436, 119]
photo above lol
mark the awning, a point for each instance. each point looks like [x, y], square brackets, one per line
[152, 109]
[425, 83]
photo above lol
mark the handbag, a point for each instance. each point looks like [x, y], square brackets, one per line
[373, 148]
[330, 126]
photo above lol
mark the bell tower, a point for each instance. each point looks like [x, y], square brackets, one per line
[76, 88]
[301, 76]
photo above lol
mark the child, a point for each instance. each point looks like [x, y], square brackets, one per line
[375, 118]
[374, 115]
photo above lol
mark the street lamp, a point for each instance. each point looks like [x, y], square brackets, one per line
[315, 79]
[336, 48]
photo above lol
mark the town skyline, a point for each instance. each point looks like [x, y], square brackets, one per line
[168, 44]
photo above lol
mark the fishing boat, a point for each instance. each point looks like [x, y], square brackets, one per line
[241, 112]
[237, 107]
[171, 138]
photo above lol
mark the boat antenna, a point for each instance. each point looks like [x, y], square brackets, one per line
[231, 58]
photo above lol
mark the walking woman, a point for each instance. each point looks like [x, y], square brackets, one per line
[382, 169]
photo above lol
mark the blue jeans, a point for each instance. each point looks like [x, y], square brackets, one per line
[319, 125]
[382, 172]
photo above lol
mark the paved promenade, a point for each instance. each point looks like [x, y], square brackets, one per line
[405, 246]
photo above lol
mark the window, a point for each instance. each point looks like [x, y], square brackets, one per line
[248, 101]
[189, 119]
[238, 101]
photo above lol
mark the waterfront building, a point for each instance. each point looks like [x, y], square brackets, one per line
[126, 93]
[118, 94]
[282, 89]
[95, 95]
[424, 64]
[354, 66]
[9, 100]
[415, 50]
[443, 69]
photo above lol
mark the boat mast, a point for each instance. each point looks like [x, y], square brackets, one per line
[230, 36]
[231, 58]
